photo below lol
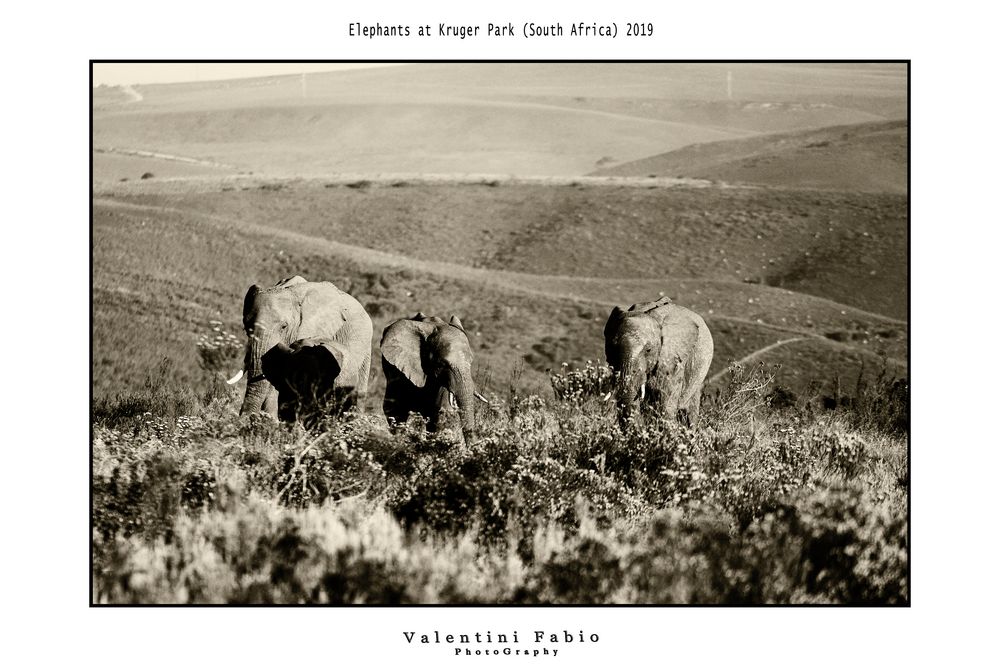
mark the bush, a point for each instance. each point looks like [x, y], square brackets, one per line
[883, 404]
[219, 351]
[579, 385]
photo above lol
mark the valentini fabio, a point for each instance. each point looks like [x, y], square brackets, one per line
[537, 637]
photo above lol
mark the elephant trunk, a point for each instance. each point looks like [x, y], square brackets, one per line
[258, 387]
[257, 392]
[464, 390]
[629, 389]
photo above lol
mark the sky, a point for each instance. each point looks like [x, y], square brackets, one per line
[117, 74]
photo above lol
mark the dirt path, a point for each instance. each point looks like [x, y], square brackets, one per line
[163, 156]
[756, 353]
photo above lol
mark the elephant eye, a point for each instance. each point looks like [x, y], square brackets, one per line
[284, 325]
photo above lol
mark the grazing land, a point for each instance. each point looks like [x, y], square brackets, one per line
[528, 207]
[866, 157]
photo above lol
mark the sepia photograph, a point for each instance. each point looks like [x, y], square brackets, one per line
[500, 333]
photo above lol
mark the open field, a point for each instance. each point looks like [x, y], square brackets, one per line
[523, 119]
[529, 200]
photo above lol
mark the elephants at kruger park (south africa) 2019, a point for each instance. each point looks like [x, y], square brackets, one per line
[308, 356]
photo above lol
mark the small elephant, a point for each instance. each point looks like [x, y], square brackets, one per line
[295, 309]
[305, 374]
[428, 364]
[660, 353]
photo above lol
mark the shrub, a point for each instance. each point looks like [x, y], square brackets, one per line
[883, 404]
[219, 351]
[159, 398]
[743, 397]
[259, 553]
[579, 385]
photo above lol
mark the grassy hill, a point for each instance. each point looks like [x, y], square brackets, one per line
[867, 157]
[171, 259]
[486, 118]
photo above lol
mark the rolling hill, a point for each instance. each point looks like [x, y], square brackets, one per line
[517, 118]
[167, 264]
[822, 243]
[866, 157]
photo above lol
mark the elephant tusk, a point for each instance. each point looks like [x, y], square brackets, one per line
[642, 392]
[451, 400]
[235, 378]
[480, 397]
[607, 397]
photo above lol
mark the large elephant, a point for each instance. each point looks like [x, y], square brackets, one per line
[295, 309]
[428, 364]
[660, 353]
[305, 374]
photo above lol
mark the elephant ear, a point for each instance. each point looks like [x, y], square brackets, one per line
[273, 361]
[336, 351]
[614, 321]
[248, 302]
[401, 343]
[611, 348]
[455, 322]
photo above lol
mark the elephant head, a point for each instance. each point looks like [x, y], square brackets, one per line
[305, 374]
[295, 309]
[428, 364]
[660, 354]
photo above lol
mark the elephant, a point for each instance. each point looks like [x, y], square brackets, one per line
[305, 374]
[295, 309]
[660, 353]
[428, 364]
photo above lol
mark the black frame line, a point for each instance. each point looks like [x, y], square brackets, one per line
[909, 317]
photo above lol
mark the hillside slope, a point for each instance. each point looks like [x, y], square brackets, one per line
[165, 268]
[515, 118]
[826, 244]
[868, 157]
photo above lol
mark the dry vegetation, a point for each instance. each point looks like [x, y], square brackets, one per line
[553, 504]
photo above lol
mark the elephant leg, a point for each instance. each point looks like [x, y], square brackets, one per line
[671, 406]
[270, 405]
[343, 399]
[694, 409]
[435, 401]
[360, 389]
[651, 405]
[286, 410]
[395, 406]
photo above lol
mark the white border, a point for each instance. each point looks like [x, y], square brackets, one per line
[954, 238]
